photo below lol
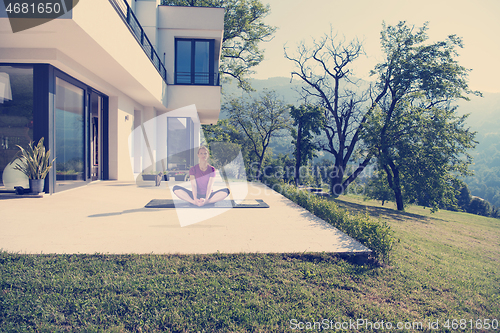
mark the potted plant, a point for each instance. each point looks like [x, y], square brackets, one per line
[150, 176]
[35, 163]
[180, 176]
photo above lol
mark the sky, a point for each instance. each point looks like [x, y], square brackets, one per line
[477, 22]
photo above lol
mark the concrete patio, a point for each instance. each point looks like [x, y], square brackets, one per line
[109, 217]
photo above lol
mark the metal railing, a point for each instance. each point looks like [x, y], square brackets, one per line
[197, 78]
[128, 16]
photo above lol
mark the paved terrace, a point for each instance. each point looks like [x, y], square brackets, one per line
[109, 217]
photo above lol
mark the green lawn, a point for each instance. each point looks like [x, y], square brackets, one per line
[446, 266]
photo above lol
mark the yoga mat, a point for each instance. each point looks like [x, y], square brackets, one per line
[169, 203]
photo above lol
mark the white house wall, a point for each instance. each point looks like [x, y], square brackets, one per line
[191, 18]
[121, 124]
[191, 22]
[96, 39]
[96, 48]
[108, 30]
[146, 13]
[206, 99]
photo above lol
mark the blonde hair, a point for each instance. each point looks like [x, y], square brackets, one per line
[205, 148]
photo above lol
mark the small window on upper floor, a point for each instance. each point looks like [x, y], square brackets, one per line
[195, 63]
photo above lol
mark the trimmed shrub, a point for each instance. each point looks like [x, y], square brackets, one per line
[375, 235]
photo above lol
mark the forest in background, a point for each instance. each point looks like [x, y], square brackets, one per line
[484, 119]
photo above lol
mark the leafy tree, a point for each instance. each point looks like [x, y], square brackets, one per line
[495, 212]
[278, 168]
[413, 128]
[223, 131]
[426, 150]
[464, 198]
[244, 29]
[479, 206]
[377, 188]
[260, 119]
[225, 143]
[309, 120]
[322, 169]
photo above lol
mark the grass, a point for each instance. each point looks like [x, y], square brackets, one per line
[444, 267]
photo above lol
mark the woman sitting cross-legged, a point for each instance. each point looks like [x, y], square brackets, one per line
[202, 178]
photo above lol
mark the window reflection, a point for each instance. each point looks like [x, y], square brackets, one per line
[194, 61]
[16, 117]
[201, 62]
[179, 143]
[183, 58]
[69, 138]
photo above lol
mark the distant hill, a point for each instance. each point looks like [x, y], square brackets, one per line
[285, 88]
[484, 119]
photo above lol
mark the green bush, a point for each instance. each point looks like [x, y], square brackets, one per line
[375, 235]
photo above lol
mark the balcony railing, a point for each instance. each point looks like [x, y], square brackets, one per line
[197, 78]
[128, 16]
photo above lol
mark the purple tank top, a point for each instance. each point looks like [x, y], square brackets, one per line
[202, 177]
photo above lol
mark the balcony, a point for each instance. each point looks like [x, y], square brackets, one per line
[197, 78]
[128, 16]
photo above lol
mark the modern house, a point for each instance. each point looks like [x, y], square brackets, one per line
[90, 79]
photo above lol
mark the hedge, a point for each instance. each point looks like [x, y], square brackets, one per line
[376, 235]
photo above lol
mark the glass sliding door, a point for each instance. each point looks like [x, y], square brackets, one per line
[69, 135]
[38, 100]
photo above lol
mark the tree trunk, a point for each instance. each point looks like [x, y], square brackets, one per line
[298, 155]
[394, 184]
[399, 199]
[397, 187]
[259, 168]
[336, 178]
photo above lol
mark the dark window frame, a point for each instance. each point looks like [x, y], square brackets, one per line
[44, 89]
[88, 91]
[212, 74]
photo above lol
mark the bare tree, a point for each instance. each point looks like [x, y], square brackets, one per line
[325, 70]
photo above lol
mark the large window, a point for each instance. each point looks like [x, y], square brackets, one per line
[194, 62]
[16, 113]
[179, 143]
[69, 134]
[38, 100]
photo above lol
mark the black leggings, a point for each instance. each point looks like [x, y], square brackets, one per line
[198, 195]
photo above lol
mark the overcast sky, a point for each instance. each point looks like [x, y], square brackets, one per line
[477, 22]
